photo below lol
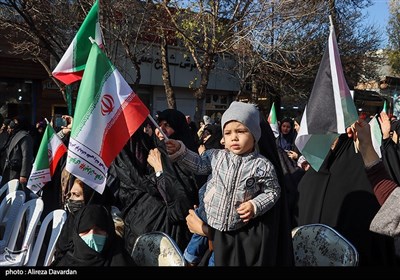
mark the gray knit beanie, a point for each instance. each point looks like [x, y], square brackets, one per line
[245, 113]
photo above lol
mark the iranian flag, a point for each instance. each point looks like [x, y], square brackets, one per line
[50, 152]
[330, 108]
[107, 113]
[376, 135]
[273, 122]
[72, 64]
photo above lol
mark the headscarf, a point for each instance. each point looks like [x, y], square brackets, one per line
[286, 141]
[65, 243]
[82, 255]
[147, 206]
[214, 141]
[177, 121]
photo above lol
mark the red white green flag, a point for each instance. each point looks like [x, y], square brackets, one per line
[72, 64]
[273, 121]
[376, 135]
[50, 152]
[107, 113]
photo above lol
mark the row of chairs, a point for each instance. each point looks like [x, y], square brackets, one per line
[19, 220]
[313, 245]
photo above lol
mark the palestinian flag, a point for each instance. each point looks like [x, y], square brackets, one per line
[273, 122]
[330, 108]
[72, 64]
[50, 151]
[107, 113]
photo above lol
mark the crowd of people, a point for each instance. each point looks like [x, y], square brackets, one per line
[228, 191]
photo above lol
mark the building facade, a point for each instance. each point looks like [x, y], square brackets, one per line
[25, 87]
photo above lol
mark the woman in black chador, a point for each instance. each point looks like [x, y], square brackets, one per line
[340, 195]
[151, 200]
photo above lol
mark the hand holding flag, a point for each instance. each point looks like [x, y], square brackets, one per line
[330, 108]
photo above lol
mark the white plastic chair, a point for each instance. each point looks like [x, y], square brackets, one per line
[10, 186]
[9, 209]
[157, 249]
[321, 245]
[31, 211]
[57, 218]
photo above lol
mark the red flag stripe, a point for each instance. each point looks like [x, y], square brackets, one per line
[131, 118]
[61, 150]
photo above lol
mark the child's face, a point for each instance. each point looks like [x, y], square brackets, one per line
[238, 139]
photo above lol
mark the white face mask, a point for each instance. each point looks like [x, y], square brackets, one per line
[95, 241]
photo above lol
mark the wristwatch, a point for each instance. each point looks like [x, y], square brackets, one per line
[158, 173]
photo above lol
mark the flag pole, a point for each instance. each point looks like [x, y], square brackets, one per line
[159, 128]
[149, 116]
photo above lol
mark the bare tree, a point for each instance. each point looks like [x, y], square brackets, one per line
[41, 28]
[281, 55]
[206, 29]
[277, 45]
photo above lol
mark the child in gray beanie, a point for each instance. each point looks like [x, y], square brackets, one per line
[237, 173]
[246, 114]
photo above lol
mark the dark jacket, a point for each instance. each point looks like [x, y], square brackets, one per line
[19, 157]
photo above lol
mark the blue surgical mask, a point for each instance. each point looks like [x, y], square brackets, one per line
[95, 241]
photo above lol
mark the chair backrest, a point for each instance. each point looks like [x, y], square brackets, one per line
[57, 218]
[10, 186]
[156, 249]
[32, 211]
[9, 210]
[321, 245]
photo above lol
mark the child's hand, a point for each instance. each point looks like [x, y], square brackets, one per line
[172, 146]
[246, 211]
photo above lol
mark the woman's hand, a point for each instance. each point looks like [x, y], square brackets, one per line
[361, 134]
[385, 125]
[195, 224]
[154, 159]
[201, 149]
[172, 146]
[67, 129]
[293, 155]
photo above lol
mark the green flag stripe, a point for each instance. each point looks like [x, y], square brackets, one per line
[96, 73]
[81, 42]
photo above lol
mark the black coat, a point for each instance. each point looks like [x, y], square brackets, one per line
[340, 195]
[148, 205]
